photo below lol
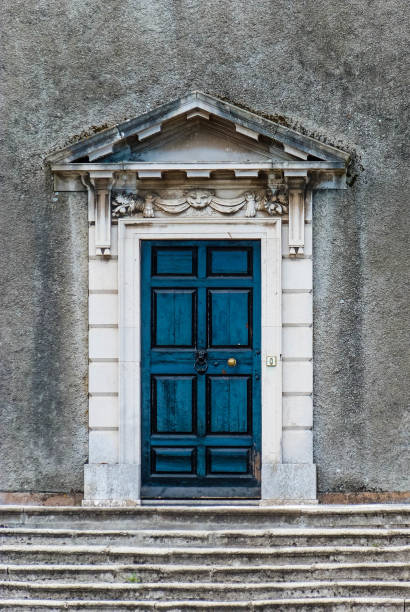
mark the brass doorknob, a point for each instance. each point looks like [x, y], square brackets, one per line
[231, 362]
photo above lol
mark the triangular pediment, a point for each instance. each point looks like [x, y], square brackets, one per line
[197, 128]
[197, 140]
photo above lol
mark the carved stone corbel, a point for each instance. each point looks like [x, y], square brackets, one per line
[102, 182]
[296, 181]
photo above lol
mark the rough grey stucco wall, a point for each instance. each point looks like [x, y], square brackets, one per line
[334, 69]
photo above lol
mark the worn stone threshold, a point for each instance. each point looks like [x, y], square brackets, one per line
[201, 502]
[295, 509]
[315, 602]
[63, 499]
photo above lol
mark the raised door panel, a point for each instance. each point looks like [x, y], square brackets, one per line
[230, 316]
[173, 404]
[228, 461]
[174, 312]
[229, 261]
[229, 403]
[172, 460]
[174, 261]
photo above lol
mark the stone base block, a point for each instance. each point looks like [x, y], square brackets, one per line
[288, 483]
[111, 484]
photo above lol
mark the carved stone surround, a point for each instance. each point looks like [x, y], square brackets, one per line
[199, 166]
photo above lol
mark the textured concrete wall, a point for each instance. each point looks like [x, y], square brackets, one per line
[333, 69]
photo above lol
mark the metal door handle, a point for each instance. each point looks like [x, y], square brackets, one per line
[231, 362]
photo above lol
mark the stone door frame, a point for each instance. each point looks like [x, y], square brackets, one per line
[270, 172]
[119, 483]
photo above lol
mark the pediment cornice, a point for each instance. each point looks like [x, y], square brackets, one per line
[204, 106]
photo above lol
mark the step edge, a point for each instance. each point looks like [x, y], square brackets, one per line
[278, 532]
[206, 603]
[179, 586]
[186, 567]
[166, 550]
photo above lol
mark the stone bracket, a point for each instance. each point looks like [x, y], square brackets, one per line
[102, 183]
[296, 181]
[85, 180]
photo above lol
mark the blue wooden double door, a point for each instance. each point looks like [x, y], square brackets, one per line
[200, 370]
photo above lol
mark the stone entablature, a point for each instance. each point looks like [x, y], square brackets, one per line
[110, 197]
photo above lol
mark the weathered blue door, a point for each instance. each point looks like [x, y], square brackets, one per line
[201, 342]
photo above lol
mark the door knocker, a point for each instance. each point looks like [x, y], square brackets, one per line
[201, 362]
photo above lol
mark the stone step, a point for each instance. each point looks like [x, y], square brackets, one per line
[134, 573]
[205, 517]
[228, 537]
[204, 590]
[333, 604]
[20, 553]
[196, 558]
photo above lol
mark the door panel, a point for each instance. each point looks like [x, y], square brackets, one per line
[174, 316]
[229, 261]
[173, 460]
[173, 404]
[172, 261]
[228, 461]
[229, 317]
[201, 417]
[229, 404]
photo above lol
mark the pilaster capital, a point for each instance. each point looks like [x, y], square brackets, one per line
[296, 179]
[102, 179]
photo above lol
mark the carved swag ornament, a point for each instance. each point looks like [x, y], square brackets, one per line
[273, 202]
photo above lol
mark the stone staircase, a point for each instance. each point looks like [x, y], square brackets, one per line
[202, 558]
